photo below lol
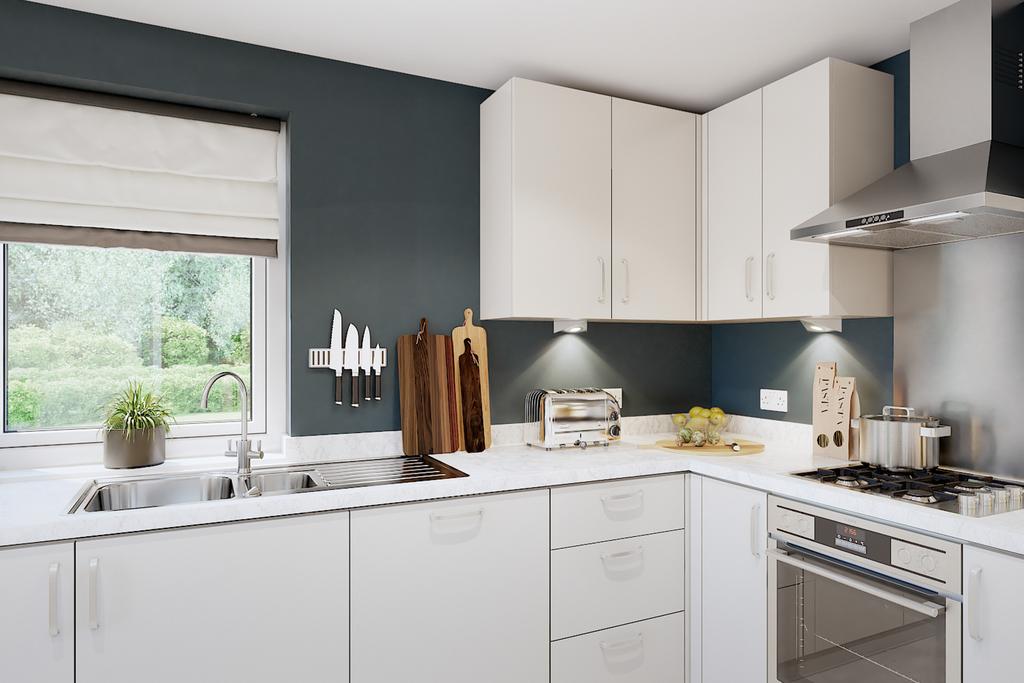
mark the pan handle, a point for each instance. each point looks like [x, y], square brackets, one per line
[889, 411]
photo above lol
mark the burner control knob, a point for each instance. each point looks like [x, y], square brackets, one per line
[928, 563]
[903, 556]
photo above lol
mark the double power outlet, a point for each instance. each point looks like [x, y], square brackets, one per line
[776, 400]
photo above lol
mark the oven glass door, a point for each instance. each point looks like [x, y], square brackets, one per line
[834, 624]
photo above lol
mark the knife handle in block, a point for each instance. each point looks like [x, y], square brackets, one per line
[377, 397]
[355, 388]
[337, 389]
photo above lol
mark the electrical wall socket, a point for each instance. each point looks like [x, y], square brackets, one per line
[617, 393]
[776, 400]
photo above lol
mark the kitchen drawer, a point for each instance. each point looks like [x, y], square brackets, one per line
[591, 513]
[613, 583]
[646, 652]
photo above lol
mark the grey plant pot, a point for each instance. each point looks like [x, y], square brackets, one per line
[143, 449]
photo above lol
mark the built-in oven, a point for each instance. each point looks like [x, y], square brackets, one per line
[854, 601]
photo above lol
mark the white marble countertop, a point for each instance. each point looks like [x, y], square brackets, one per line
[34, 504]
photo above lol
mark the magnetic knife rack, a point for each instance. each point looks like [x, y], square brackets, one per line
[321, 358]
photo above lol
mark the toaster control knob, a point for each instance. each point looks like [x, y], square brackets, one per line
[614, 430]
[581, 444]
[613, 416]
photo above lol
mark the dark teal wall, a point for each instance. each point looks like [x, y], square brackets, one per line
[749, 357]
[384, 213]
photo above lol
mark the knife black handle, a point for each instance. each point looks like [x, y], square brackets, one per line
[337, 389]
[367, 382]
[378, 386]
[355, 388]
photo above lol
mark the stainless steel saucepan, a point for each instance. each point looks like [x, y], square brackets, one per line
[900, 439]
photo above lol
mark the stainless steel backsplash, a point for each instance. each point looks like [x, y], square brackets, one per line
[959, 347]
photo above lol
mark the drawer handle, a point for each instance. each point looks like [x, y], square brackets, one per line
[54, 576]
[624, 502]
[622, 646]
[445, 522]
[624, 561]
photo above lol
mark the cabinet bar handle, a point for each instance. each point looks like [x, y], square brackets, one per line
[625, 266]
[748, 278]
[770, 275]
[974, 604]
[94, 570]
[755, 527]
[604, 283]
[54, 576]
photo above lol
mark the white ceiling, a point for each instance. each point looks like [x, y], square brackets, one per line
[692, 54]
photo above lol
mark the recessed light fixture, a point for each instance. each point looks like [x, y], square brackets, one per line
[823, 324]
[570, 326]
[846, 232]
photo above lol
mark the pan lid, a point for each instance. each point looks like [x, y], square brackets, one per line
[902, 414]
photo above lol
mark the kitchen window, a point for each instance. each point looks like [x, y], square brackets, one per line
[80, 322]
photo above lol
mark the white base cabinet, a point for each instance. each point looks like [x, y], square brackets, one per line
[734, 583]
[37, 634]
[993, 607]
[453, 591]
[648, 651]
[260, 602]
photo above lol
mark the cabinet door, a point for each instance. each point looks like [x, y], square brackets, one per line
[654, 212]
[37, 619]
[561, 202]
[993, 605]
[796, 187]
[733, 193]
[261, 602]
[453, 591]
[734, 590]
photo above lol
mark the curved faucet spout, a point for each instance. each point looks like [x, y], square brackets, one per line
[243, 451]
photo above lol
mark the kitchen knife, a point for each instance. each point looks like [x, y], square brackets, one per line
[378, 364]
[366, 363]
[335, 363]
[352, 360]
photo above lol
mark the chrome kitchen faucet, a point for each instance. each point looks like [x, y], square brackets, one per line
[242, 450]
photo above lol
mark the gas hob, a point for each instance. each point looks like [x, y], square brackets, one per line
[966, 493]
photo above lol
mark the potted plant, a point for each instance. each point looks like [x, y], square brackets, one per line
[135, 429]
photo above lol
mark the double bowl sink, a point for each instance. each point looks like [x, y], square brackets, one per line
[132, 493]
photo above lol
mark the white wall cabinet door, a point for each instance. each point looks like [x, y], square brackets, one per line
[453, 591]
[545, 203]
[654, 212]
[37, 634]
[734, 583]
[260, 602]
[732, 237]
[993, 605]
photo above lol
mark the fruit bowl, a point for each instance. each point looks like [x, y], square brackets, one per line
[700, 426]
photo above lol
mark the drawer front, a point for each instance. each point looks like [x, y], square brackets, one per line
[613, 583]
[591, 513]
[646, 652]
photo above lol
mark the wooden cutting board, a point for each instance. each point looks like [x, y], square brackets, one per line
[477, 336]
[469, 396]
[746, 447]
[427, 395]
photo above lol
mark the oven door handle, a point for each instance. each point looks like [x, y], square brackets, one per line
[924, 607]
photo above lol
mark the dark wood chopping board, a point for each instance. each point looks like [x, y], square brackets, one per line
[471, 400]
[427, 393]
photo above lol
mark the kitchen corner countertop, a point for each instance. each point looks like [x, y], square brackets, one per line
[34, 504]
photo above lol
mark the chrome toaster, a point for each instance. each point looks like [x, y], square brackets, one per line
[560, 418]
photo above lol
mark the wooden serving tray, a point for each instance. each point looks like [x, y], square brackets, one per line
[746, 447]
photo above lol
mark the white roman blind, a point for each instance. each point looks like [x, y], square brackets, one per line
[81, 174]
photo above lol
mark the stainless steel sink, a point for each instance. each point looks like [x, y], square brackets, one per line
[132, 494]
[283, 481]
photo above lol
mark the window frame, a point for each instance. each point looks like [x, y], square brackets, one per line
[258, 391]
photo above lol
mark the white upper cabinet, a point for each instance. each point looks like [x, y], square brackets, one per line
[827, 132]
[776, 158]
[37, 623]
[993, 603]
[654, 212]
[588, 206]
[545, 203]
[733, 221]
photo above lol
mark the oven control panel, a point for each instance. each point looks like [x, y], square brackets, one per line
[796, 523]
[918, 559]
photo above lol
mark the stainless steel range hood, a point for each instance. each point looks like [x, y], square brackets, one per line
[966, 176]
